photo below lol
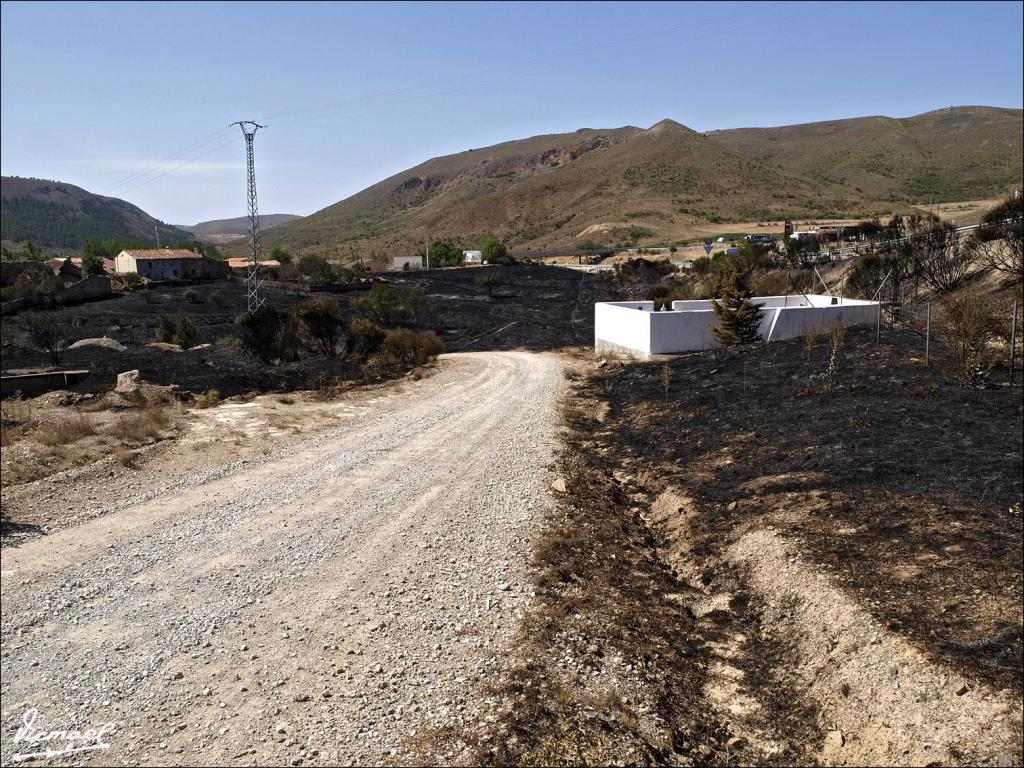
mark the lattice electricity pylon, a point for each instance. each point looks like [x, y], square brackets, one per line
[253, 282]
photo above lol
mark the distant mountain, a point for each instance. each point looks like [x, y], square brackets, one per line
[62, 216]
[957, 153]
[236, 226]
[668, 181]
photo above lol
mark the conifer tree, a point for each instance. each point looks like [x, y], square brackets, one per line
[738, 316]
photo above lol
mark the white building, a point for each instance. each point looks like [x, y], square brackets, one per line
[403, 263]
[633, 328]
[168, 264]
[472, 257]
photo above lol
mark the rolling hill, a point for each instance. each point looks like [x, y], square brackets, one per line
[236, 226]
[949, 154]
[596, 185]
[62, 216]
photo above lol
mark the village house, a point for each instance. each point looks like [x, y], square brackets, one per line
[169, 264]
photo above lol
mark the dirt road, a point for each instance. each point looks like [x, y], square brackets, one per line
[321, 607]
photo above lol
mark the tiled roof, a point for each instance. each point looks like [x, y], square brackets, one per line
[163, 253]
[241, 261]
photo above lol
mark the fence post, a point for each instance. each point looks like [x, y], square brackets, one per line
[928, 335]
[1013, 341]
[878, 324]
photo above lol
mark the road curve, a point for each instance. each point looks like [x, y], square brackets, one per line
[319, 608]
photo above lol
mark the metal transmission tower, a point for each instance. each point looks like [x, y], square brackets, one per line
[253, 282]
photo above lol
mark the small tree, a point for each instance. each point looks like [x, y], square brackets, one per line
[92, 264]
[488, 280]
[259, 332]
[186, 332]
[318, 269]
[32, 252]
[279, 253]
[165, 329]
[49, 333]
[380, 305]
[738, 316]
[495, 252]
[970, 323]
[322, 319]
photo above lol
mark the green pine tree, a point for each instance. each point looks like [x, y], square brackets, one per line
[738, 316]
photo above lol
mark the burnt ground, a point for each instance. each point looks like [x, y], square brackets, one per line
[902, 485]
[533, 307]
[536, 308]
[745, 569]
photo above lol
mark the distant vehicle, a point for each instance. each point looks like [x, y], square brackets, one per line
[760, 239]
[472, 257]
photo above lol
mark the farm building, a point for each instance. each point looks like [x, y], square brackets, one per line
[633, 327]
[472, 257]
[168, 264]
[402, 263]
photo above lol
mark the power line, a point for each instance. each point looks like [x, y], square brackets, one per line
[195, 145]
[174, 168]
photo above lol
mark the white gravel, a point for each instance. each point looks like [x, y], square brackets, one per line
[317, 608]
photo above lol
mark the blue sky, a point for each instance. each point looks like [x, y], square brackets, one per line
[93, 93]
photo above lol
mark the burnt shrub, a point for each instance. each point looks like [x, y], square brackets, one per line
[322, 320]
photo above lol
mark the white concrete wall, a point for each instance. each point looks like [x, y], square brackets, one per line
[123, 263]
[623, 327]
[631, 327]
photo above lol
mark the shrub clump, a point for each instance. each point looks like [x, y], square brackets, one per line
[180, 329]
[365, 338]
[410, 347]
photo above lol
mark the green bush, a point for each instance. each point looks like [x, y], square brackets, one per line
[180, 329]
[488, 280]
[186, 332]
[410, 347]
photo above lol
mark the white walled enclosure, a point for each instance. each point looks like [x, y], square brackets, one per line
[633, 327]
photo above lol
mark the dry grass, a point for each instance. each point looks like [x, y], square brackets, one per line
[286, 399]
[125, 456]
[65, 430]
[137, 428]
[208, 399]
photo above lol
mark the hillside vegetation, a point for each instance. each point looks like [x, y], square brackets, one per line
[62, 216]
[595, 185]
[236, 226]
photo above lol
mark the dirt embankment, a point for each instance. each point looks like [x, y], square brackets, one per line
[745, 569]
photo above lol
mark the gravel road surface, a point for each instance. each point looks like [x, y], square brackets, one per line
[321, 607]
